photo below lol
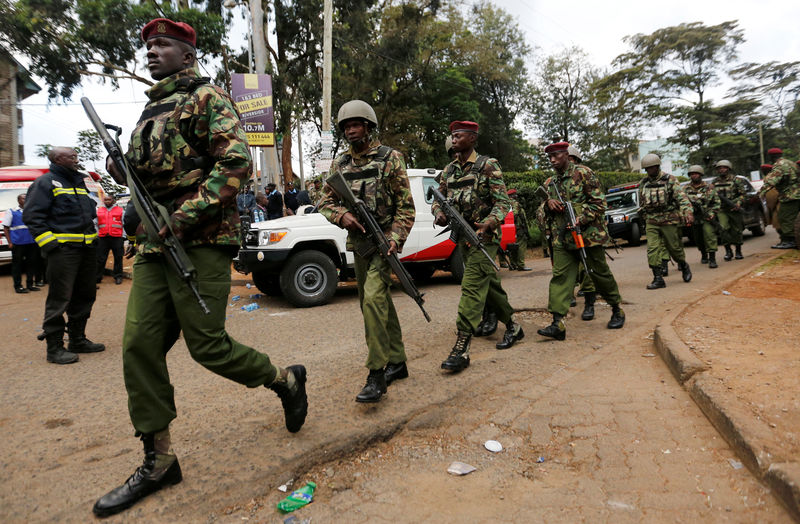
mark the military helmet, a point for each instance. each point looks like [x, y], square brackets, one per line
[357, 109]
[724, 163]
[651, 159]
[448, 144]
[573, 151]
[696, 169]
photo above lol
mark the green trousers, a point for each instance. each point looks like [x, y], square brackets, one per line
[705, 236]
[787, 213]
[565, 274]
[381, 326]
[518, 260]
[160, 307]
[664, 240]
[731, 225]
[480, 288]
[585, 281]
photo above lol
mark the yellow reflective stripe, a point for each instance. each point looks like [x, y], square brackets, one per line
[90, 238]
[81, 191]
[63, 191]
[44, 238]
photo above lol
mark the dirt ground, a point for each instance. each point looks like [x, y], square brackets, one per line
[748, 334]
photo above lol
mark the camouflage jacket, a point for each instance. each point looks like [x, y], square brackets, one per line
[579, 185]
[520, 220]
[381, 181]
[729, 187]
[190, 152]
[785, 177]
[663, 200]
[704, 196]
[477, 191]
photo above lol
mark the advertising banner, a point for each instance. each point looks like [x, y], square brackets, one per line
[253, 97]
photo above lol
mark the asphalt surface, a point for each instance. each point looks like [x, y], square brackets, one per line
[66, 437]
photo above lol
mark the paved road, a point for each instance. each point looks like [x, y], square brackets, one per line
[620, 439]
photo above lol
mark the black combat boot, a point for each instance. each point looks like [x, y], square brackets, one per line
[395, 372]
[686, 273]
[588, 306]
[728, 253]
[738, 255]
[458, 359]
[703, 257]
[78, 343]
[293, 397]
[556, 330]
[56, 352]
[712, 260]
[573, 302]
[665, 268]
[375, 387]
[157, 471]
[658, 281]
[488, 325]
[617, 317]
[511, 336]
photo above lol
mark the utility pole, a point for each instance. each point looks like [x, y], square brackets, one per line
[300, 150]
[269, 155]
[327, 50]
[761, 142]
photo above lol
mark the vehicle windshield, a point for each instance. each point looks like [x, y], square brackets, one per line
[621, 200]
[8, 195]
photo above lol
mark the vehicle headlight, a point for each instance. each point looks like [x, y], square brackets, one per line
[267, 237]
[612, 219]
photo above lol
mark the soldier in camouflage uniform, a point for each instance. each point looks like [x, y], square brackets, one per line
[587, 289]
[377, 174]
[521, 227]
[666, 208]
[474, 185]
[579, 185]
[785, 177]
[731, 190]
[706, 205]
[190, 153]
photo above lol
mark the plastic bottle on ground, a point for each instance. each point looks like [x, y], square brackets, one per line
[298, 498]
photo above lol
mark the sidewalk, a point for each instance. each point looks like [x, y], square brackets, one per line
[735, 350]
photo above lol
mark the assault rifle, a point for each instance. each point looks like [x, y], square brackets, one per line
[573, 226]
[458, 227]
[154, 216]
[342, 189]
[730, 204]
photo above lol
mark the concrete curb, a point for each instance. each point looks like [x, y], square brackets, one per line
[732, 420]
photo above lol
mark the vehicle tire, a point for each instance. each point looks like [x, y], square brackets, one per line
[457, 265]
[421, 272]
[267, 283]
[635, 237]
[759, 229]
[309, 279]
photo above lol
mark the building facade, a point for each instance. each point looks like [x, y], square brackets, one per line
[16, 85]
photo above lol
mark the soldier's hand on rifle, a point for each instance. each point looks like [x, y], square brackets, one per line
[483, 229]
[131, 250]
[554, 205]
[689, 219]
[441, 219]
[111, 167]
[349, 222]
[162, 233]
[392, 247]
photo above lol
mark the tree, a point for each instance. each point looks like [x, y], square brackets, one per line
[674, 67]
[90, 147]
[69, 40]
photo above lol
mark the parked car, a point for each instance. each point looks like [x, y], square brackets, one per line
[303, 257]
[17, 179]
[623, 218]
[754, 209]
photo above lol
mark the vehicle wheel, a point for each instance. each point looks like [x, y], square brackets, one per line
[421, 272]
[759, 229]
[309, 279]
[267, 283]
[635, 237]
[457, 265]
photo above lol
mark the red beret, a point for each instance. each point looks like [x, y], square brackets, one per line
[512, 191]
[555, 148]
[463, 125]
[766, 166]
[169, 29]
[775, 151]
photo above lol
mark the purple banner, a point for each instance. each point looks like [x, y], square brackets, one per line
[253, 96]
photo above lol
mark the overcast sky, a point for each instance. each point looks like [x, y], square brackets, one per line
[597, 27]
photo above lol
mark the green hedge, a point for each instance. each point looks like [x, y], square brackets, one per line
[527, 182]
